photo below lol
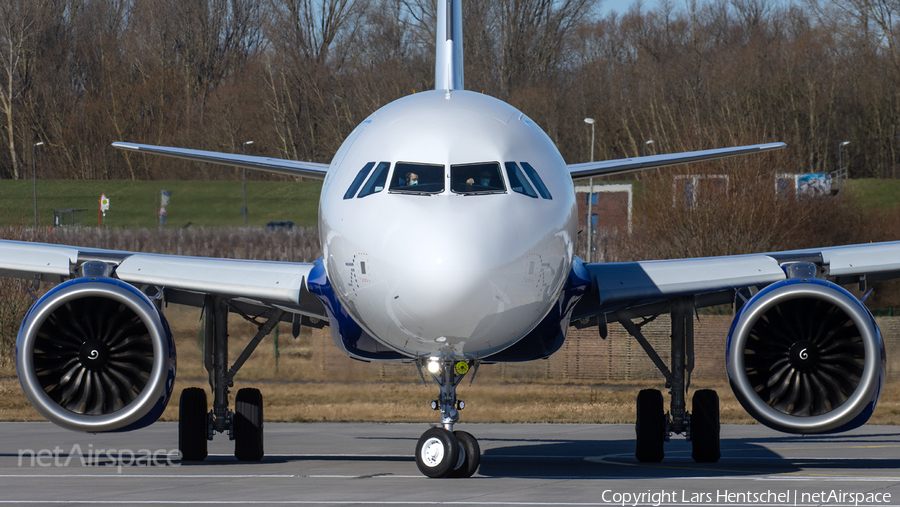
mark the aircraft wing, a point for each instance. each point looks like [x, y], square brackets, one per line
[607, 167]
[713, 280]
[248, 283]
[274, 165]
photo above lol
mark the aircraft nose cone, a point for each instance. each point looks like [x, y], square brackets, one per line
[450, 283]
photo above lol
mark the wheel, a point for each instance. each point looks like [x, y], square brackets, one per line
[469, 455]
[437, 452]
[650, 428]
[192, 421]
[248, 425]
[705, 427]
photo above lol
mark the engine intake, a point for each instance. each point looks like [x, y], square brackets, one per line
[805, 356]
[95, 354]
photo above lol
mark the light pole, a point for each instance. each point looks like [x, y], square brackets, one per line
[590, 217]
[34, 176]
[841, 165]
[244, 184]
[644, 183]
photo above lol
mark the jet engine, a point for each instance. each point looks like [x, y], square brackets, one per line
[805, 356]
[95, 354]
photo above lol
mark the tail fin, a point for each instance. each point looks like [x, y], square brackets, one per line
[448, 67]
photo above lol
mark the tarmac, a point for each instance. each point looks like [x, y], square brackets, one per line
[522, 464]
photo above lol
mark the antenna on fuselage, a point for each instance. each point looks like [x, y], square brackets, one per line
[448, 66]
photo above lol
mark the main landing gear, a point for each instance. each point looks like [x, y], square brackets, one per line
[440, 451]
[244, 425]
[653, 427]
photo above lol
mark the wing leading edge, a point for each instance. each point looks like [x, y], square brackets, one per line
[257, 283]
[617, 285]
[290, 167]
[607, 167]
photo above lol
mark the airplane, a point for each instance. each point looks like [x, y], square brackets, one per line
[448, 222]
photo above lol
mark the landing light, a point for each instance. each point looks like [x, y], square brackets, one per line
[434, 366]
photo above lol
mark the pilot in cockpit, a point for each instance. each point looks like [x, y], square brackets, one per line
[484, 179]
[412, 179]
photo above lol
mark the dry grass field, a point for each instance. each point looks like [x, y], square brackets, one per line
[294, 401]
[312, 381]
[404, 402]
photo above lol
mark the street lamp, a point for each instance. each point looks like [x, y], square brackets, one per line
[34, 177]
[841, 164]
[590, 217]
[244, 184]
[590, 121]
[644, 183]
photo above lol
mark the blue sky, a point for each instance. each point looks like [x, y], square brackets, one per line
[622, 6]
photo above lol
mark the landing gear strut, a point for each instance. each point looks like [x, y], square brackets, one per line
[196, 426]
[653, 428]
[440, 451]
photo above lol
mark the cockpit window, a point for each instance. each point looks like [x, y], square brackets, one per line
[417, 178]
[376, 181]
[484, 178]
[517, 181]
[357, 181]
[538, 183]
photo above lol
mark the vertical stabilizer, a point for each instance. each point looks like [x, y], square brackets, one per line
[448, 67]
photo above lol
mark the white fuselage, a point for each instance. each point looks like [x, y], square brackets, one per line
[450, 271]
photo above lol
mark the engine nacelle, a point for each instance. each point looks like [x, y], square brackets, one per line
[95, 354]
[805, 356]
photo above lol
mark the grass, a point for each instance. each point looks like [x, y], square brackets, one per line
[218, 203]
[874, 193]
[404, 402]
[135, 203]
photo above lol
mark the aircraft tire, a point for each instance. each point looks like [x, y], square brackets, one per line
[437, 452]
[469, 455]
[705, 427]
[248, 425]
[650, 427]
[192, 418]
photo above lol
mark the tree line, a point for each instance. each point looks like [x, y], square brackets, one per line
[296, 76]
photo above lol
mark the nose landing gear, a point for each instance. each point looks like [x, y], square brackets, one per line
[440, 451]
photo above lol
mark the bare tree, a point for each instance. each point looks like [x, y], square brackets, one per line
[532, 37]
[314, 40]
[17, 38]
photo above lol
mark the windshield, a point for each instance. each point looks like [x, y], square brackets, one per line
[484, 178]
[376, 181]
[360, 177]
[536, 179]
[517, 180]
[417, 178]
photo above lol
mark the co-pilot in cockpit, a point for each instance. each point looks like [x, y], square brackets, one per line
[476, 178]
